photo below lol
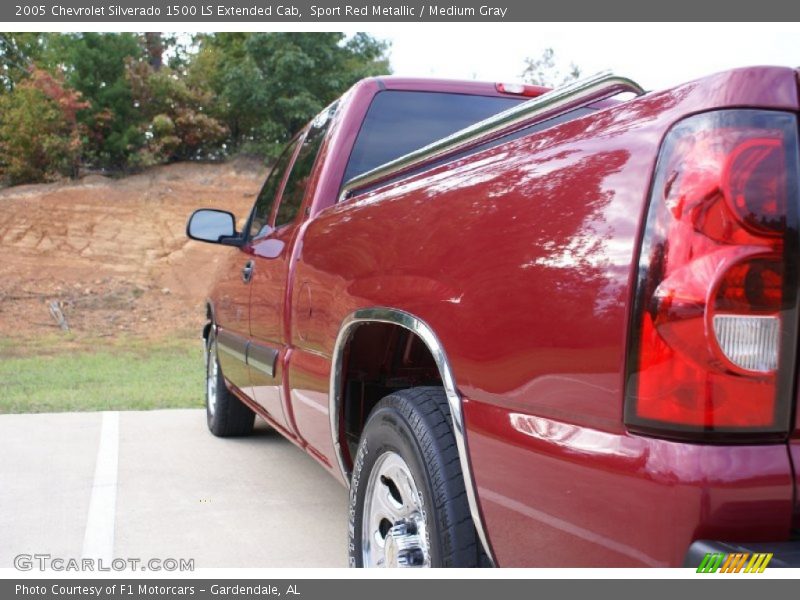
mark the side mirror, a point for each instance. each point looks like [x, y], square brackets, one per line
[213, 226]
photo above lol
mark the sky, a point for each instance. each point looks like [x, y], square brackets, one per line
[657, 55]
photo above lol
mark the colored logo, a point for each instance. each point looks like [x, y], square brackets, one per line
[741, 562]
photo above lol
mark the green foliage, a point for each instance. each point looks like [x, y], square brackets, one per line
[544, 71]
[18, 53]
[176, 124]
[271, 84]
[39, 130]
[152, 98]
[96, 68]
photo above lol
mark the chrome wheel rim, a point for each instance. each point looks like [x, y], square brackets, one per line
[212, 370]
[394, 531]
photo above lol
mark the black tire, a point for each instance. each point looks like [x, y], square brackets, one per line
[228, 416]
[416, 425]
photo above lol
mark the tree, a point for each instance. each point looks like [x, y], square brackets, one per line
[154, 45]
[121, 100]
[39, 130]
[270, 84]
[95, 66]
[543, 71]
[21, 51]
[176, 124]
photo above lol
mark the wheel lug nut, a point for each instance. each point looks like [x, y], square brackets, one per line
[410, 558]
[404, 527]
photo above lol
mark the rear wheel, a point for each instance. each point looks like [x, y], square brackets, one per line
[227, 416]
[408, 505]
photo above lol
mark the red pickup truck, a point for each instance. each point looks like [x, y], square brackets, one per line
[529, 327]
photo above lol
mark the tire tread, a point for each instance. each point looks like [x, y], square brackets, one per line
[426, 411]
[232, 417]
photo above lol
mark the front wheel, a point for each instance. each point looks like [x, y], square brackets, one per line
[408, 505]
[225, 413]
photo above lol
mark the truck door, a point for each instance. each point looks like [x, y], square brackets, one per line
[232, 301]
[271, 278]
[234, 305]
[231, 314]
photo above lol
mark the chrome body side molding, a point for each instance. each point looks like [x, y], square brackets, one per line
[262, 358]
[580, 93]
[252, 354]
[426, 334]
[232, 344]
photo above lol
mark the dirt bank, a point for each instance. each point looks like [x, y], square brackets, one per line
[112, 252]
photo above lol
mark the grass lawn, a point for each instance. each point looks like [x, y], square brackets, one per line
[100, 375]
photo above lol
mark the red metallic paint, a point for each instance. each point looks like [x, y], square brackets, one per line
[268, 291]
[231, 302]
[557, 494]
[521, 259]
[794, 448]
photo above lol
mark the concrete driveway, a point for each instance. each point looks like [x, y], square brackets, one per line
[157, 484]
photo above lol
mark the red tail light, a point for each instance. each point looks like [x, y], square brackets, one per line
[711, 349]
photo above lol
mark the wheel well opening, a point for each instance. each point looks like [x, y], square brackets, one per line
[380, 358]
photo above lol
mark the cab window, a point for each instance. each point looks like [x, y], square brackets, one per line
[259, 220]
[297, 183]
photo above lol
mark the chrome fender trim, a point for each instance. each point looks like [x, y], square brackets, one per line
[423, 330]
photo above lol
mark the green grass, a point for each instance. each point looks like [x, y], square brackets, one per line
[104, 375]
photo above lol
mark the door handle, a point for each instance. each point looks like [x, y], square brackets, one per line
[247, 271]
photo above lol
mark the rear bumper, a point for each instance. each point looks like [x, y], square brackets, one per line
[784, 554]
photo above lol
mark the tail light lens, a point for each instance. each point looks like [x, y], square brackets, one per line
[711, 349]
